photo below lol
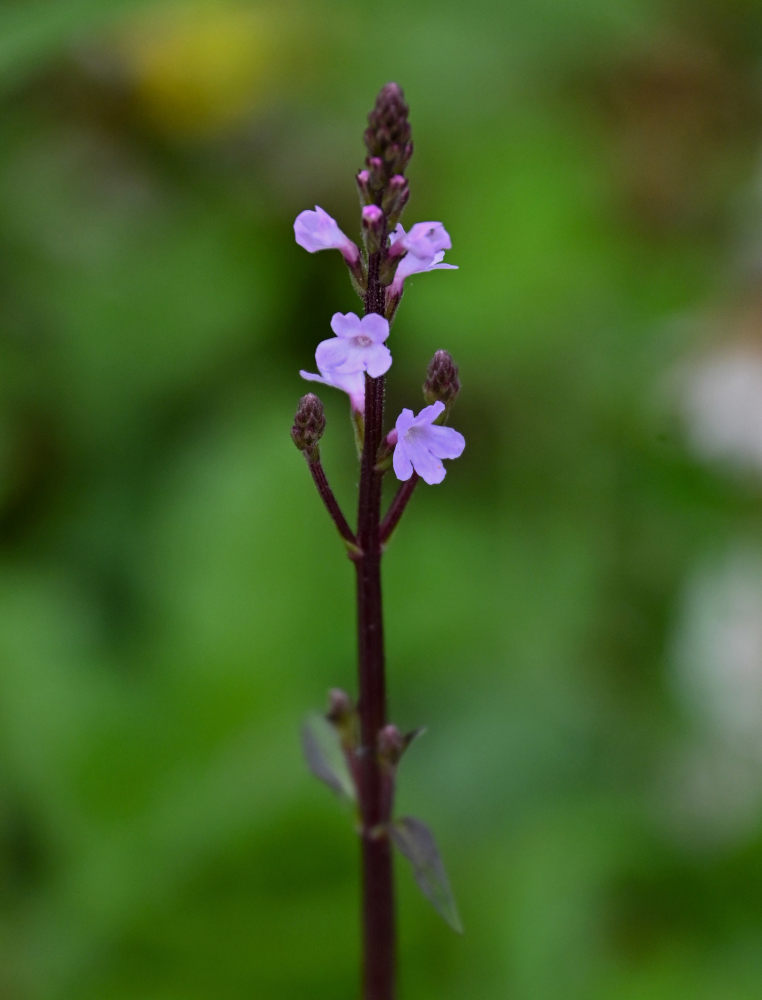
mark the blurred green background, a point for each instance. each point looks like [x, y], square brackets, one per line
[574, 615]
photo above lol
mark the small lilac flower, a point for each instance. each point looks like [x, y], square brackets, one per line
[358, 346]
[352, 383]
[424, 248]
[318, 231]
[424, 239]
[421, 445]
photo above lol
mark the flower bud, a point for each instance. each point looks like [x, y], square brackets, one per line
[395, 198]
[342, 715]
[442, 382]
[391, 744]
[387, 139]
[373, 224]
[363, 187]
[309, 424]
[388, 132]
[340, 706]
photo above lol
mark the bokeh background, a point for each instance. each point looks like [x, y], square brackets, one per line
[575, 615]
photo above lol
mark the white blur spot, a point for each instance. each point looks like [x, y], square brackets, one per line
[720, 401]
[713, 783]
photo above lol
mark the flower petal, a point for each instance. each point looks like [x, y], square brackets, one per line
[376, 327]
[429, 414]
[378, 360]
[311, 377]
[425, 238]
[353, 384]
[333, 353]
[445, 442]
[346, 325]
[428, 467]
[403, 423]
[403, 467]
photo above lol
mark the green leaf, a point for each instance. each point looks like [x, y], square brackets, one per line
[414, 839]
[321, 746]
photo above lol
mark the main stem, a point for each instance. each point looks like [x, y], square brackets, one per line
[377, 884]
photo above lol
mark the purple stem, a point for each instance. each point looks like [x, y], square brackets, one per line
[379, 942]
[326, 494]
[397, 507]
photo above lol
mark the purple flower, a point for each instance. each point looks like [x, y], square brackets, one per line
[318, 231]
[424, 248]
[358, 346]
[421, 445]
[424, 239]
[352, 383]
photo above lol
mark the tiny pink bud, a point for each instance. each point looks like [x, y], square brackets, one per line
[391, 744]
[363, 186]
[373, 221]
[372, 215]
[340, 706]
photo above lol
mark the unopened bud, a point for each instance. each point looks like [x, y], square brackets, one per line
[442, 382]
[387, 139]
[363, 187]
[309, 424]
[373, 223]
[395, 198]
[391, 744]
[377, 177]
[388, 134]
[342, 715]
[340, 706]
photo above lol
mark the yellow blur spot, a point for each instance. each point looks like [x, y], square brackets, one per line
[199, 68]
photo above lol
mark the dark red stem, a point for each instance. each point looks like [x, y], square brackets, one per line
[397, 507]
[326, 494]
[379, 943]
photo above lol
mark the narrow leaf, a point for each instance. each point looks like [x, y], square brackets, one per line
[414, 839]
[322, 751]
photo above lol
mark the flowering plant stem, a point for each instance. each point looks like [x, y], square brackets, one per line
[397, 507]
[355, 361]
[379, 944]
[326, 495]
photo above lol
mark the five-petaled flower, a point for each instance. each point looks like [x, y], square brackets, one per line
[358, 346]
[318, 231]
[352, 383]
[424, 248]
[421, 445]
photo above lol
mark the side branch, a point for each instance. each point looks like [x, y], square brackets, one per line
[397, 507]
[331, 505]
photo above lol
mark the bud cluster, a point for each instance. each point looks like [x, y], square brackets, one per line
[309, 424]
[388, 141]
[442, 383]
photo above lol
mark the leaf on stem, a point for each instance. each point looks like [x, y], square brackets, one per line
[414, 839]
[321, 746]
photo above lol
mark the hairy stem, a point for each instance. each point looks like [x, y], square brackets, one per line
[377, 882]
[326, 495]
[397, 507]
